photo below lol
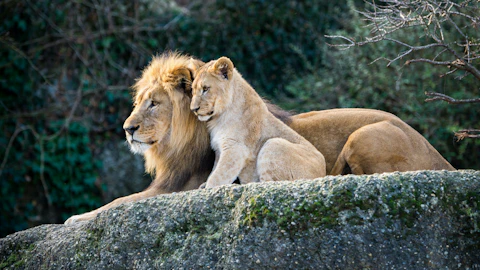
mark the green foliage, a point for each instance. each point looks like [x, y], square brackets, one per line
[259, 36]
[360, 77]
[53, 176]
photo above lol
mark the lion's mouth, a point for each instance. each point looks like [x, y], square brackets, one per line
[139, 147]
[140, 142]
[204, 116]
[209, 113]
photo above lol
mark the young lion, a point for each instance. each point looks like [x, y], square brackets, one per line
[249, 141]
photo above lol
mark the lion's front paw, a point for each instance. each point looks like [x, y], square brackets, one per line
[79, 218]
[71, 220]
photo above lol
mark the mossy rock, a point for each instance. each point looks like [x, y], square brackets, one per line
[412, 220]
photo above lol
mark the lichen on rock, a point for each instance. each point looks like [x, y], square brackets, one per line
[423, 219]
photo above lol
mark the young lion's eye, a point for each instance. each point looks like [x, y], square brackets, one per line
[205, 89]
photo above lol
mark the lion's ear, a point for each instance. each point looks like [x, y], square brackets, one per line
[181, 79]
[223, 67]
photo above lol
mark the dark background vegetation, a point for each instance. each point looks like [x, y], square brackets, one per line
[66, 68]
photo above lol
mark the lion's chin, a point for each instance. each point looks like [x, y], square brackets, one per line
[204, 118]
[139, 147]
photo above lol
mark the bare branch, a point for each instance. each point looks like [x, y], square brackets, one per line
[467, 133]
[400, 56]
[20, 128]
[433, 62]
[351, 42]
[17, 131]
[42, 173]
[438, 96]
[389, 16]
[11, 44]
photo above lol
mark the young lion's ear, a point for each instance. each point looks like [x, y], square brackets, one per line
[194, 65]
[180, 78]
[223, 67]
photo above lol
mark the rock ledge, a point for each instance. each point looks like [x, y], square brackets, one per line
[412, 220]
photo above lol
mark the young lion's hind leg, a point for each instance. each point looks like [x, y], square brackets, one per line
[280, 160]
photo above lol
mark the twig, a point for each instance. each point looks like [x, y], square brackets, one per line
[438, 96]
[467, 133]
[17, 131]
[21, 128]
[11, 44]
[66, 124]
[42, 172]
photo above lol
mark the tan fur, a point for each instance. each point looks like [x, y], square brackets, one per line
[249, 141]
[366, 141]
[357, 138]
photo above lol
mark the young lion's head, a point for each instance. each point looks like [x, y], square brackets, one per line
[161, 118]
[210, 93]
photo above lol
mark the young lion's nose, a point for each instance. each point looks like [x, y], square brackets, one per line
[131, 129]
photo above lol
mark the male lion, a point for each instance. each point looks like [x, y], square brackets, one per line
[249, 141]
[176, 146]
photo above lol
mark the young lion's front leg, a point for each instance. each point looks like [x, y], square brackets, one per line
[230, 163]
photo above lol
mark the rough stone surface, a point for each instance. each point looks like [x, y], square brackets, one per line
[413, 220]
[117, 179]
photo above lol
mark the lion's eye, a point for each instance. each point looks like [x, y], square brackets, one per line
[205, 89]
[153, 104]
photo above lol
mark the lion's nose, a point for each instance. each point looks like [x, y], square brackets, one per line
[131, 129]
[195, 109]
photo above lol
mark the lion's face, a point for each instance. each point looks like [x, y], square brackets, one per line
[161, 114]
[210, 89]
[149, 122]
